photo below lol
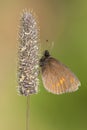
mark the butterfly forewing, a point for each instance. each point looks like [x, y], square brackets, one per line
[57, 78]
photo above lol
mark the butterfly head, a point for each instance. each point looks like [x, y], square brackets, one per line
[46, 53]
[43, 59]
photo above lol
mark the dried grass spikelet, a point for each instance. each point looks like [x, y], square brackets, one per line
[28, 54]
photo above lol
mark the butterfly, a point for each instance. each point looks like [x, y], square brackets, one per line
[57, 78]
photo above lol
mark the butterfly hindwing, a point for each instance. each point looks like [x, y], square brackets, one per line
[57, 78]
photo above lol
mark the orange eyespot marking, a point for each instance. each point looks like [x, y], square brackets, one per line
[53, 86]
[58, 84]
[62, 80]
[71, 80]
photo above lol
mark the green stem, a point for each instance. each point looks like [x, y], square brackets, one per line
[27, 113]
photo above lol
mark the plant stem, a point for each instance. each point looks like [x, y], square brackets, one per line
[27, 113]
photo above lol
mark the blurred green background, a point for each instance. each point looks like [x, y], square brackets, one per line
[65, 23]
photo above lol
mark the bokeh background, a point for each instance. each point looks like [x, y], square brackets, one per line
[63, 22]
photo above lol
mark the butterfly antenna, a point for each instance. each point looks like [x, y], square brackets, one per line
[52, 45]
[48, 45]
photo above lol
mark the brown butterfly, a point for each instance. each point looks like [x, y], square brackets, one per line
[57, 78]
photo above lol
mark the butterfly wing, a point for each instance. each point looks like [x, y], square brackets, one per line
[57, 78]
